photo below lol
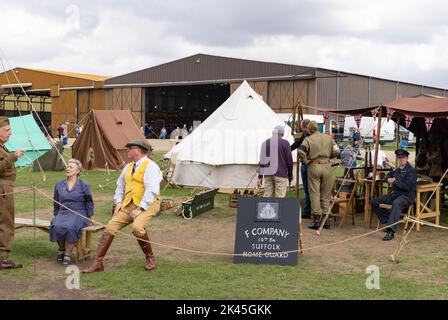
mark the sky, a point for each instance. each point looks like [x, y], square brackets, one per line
[404, 40]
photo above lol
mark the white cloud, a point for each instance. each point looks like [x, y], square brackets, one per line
[400, 40]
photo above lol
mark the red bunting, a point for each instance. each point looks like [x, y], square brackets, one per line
[358, 120]
[341, 121]
[390, 112]
[375, 113]
[408, 120]
[428, 122]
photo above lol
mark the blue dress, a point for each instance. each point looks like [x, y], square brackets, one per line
[66, 225]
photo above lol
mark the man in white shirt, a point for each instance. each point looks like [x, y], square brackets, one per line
[136, 202]
[382, 161]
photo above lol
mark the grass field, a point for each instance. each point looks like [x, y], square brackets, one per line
[337, 272]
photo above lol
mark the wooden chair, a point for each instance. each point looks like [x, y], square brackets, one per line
[409, 212]
[346, 200]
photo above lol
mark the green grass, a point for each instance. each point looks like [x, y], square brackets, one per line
[24, 202]
[209, 278]
[218, 280]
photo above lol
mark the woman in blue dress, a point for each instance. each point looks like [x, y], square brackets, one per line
[66, 226]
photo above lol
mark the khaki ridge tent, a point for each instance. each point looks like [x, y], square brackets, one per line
[224, 151]
[103, 139]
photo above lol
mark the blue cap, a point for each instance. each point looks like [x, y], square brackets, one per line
[401, 153]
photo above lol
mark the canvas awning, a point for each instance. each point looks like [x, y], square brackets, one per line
[416, 114]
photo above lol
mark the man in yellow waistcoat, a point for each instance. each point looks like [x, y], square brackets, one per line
[136, 202]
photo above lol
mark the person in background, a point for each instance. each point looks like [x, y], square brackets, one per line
[306, 214]
[77, 132]
[275, 164]
[162, 133]
[60, 131]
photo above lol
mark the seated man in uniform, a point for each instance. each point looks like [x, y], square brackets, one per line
[404, 184]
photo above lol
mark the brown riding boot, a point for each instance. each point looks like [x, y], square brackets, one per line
[8, 264]
[101, 249]
[147, 250]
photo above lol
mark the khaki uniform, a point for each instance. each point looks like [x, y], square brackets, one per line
[7, 178]
[318, 148]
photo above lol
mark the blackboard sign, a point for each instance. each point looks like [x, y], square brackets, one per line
[265, 229]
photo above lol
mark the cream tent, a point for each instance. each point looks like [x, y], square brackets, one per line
[224, 150]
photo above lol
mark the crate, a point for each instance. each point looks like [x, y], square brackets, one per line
[201, 202]
[233, 200]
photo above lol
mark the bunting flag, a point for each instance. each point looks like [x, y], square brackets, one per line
[408, 120]
[326, 116]
[358, 120]
[341, 121]
[390, 112]
[428, 122]
[375, 113]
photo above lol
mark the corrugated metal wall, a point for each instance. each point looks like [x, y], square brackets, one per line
[281, 96]
[126, 99]
[434, 91]
[408, 90]
[382, 91]
[353, 92]
[326, 89]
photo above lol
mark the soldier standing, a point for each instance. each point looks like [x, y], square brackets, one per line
[316, 151]
[7, 178]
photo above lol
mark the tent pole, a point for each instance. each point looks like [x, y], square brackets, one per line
[375, 160]
[397, 134]
[299, 119]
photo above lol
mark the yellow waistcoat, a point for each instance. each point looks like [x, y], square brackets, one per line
[135, 187]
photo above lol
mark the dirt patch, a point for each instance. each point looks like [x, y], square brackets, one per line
[49, 282]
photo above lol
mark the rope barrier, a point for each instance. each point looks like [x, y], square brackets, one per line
[209, 252]
[21, 191]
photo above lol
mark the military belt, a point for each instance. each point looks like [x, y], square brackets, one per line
[320, 161]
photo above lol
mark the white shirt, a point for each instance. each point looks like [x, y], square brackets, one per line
[151, 180]
[381, 157]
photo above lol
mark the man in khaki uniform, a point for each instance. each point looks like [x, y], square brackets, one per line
[316, 152]
[7, 178]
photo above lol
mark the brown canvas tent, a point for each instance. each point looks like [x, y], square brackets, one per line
[103, 139]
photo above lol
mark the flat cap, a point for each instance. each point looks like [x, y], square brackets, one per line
[400, 153]
[4, 121]
[138, 143]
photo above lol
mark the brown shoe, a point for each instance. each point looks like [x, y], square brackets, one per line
[147, 250]
[8, 264]
[101, 249]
